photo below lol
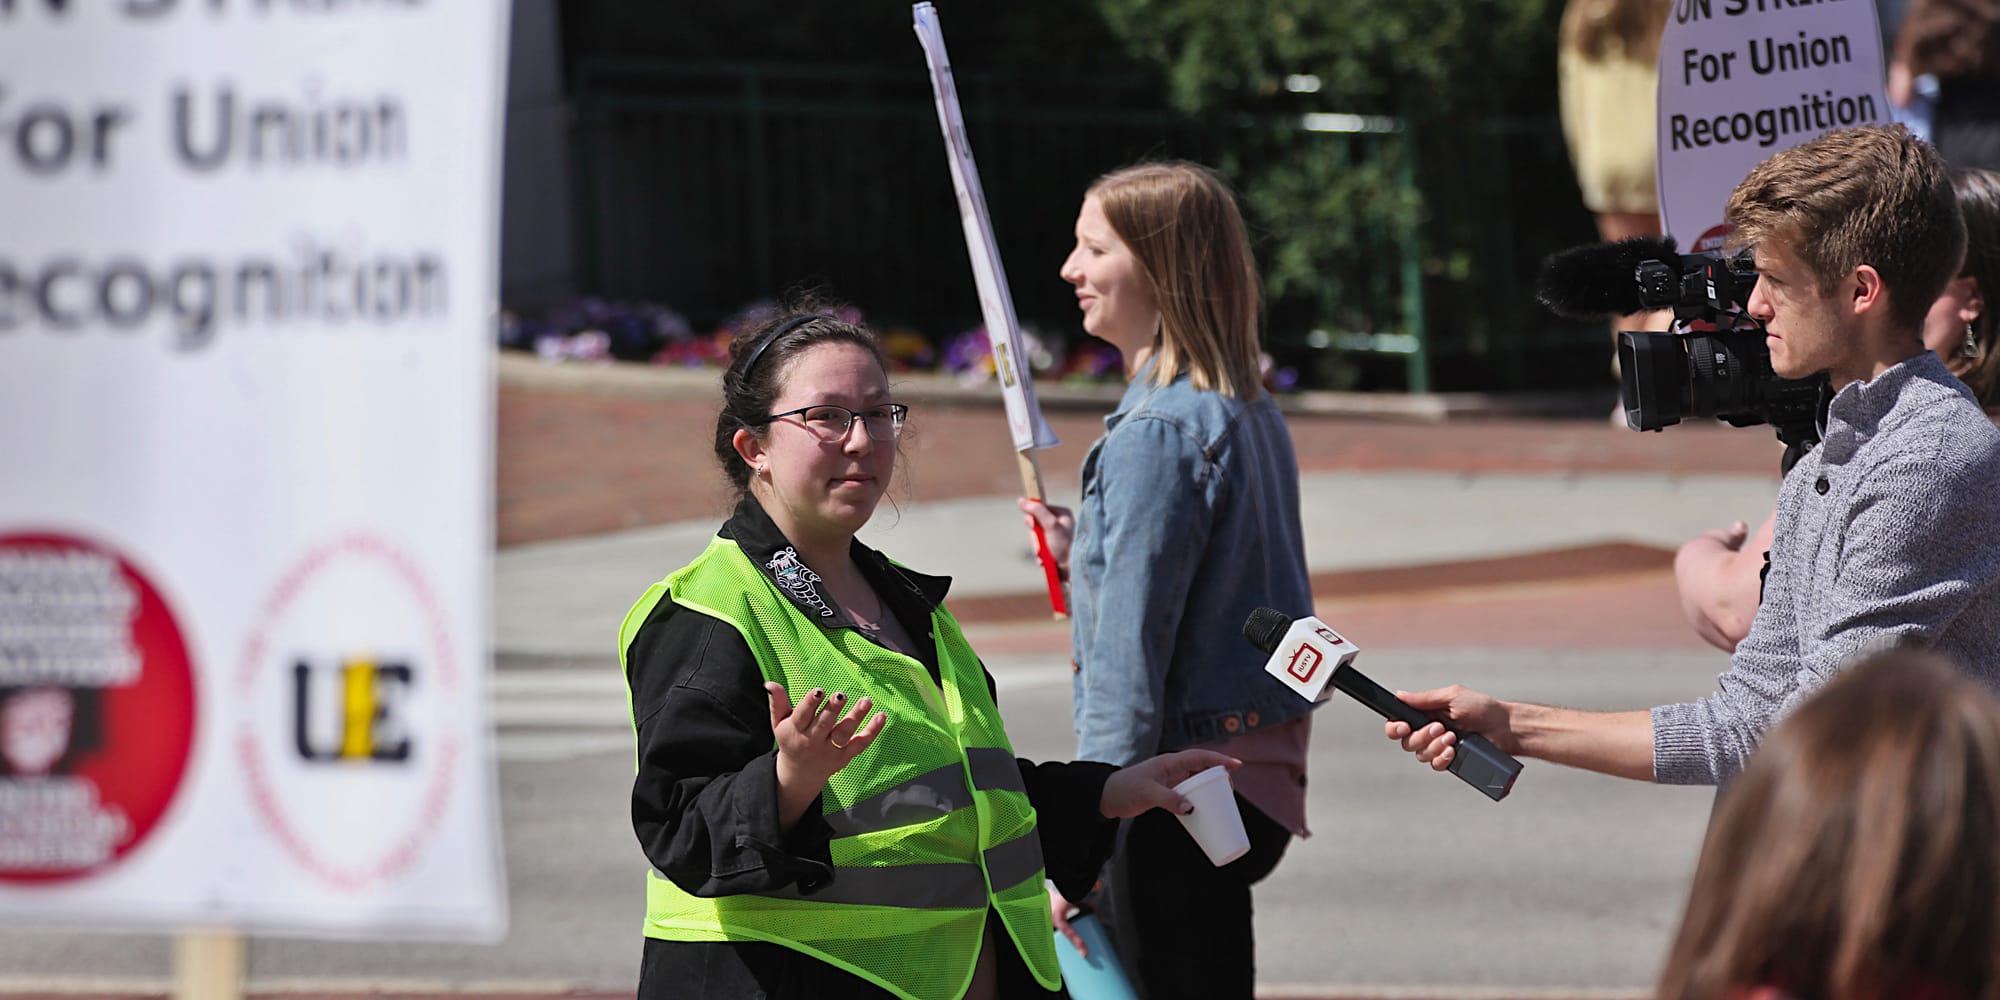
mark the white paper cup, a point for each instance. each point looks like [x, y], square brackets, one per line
[1216, 824]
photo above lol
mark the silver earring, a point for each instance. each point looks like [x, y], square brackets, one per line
[1971, 349]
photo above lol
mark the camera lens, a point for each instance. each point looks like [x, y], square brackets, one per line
[1653, 379]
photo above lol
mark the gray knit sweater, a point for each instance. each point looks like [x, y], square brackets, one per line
[1888, 531]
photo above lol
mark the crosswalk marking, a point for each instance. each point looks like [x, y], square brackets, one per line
[543, 714]
[555, 714]
[531, 682]
[541, 747]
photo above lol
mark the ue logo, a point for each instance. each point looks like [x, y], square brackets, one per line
[1305, 661]
[354, 735]
[1327, 634]
[362, 722]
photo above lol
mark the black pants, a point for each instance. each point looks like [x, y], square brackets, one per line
[1180, 924]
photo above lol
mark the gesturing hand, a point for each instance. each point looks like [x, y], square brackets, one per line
[814, 741]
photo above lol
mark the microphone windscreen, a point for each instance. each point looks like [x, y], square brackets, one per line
[1599, 279]
[1265, 628]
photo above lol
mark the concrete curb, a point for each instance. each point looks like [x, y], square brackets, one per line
[627, 380]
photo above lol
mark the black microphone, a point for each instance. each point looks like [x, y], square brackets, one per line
[1591, 281]
[1477, 762]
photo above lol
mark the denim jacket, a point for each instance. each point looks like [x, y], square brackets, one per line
[1189, 521]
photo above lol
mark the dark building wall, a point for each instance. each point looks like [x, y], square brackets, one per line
[536, 238]
[728, 153]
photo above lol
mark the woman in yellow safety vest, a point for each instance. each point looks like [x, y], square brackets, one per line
[876, 836]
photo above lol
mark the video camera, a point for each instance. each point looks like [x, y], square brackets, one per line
[1713, 363]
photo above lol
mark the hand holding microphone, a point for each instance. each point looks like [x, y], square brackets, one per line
[1453, 710]
[1313, 660]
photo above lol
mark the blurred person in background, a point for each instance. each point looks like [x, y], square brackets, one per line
[1189, 521]
[1921, 90]
[1607, 85]
[1957, 42]
[1720, 573]
[804, 849]
[1858, 856]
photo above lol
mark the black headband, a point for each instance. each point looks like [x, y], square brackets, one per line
[786, 327]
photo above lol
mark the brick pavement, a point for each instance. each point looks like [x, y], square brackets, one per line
[584, 456]
[578, 463]
[1606, 598]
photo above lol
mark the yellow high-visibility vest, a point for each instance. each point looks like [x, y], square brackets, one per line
[931, 823]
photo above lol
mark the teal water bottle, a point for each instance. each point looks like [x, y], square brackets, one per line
[1097, 976]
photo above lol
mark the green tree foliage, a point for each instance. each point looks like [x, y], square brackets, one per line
[1370, 56]
[1045, 36]
[1475, 180]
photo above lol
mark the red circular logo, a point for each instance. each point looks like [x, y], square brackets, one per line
[97, 707]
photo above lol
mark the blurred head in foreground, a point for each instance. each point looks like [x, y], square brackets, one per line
[1858, 856]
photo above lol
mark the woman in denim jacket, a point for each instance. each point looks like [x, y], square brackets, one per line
[1189, 521]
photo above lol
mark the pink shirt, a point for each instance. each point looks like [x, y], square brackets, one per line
[1273, 775]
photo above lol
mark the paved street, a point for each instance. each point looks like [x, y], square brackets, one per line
[1412, 885]
[1528, 557]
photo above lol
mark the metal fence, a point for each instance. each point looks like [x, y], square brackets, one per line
[712, 186]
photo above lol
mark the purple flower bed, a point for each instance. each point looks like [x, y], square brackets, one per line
[594, 329]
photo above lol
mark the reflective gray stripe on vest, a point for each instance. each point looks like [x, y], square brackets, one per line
[941, 886]
[922, 887]
[1010, 863]
[918, 800]
[994, 769]
[930, 795]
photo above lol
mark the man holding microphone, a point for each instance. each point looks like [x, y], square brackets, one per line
[1887, 533]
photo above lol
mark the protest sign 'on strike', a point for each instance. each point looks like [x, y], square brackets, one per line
[1742, 79]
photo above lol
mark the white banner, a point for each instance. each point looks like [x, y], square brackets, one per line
[1742, 79]
[246, 295]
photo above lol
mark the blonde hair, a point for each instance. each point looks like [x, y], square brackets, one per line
[1875, 195]
[1183, 228]
[1858, 855]
[1589, 27]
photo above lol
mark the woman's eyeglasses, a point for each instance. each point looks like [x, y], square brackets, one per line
[832, 422]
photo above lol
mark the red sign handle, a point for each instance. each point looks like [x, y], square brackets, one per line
[1057, 604]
